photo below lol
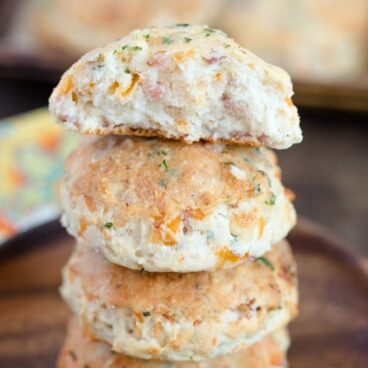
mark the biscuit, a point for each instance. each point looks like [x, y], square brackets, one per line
[82, 350]
[183, 82]
[293, 33]
[75, 27]
[168, 206]
[178, 317]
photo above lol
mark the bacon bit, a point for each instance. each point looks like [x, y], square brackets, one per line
[66, 85]
[197, 322]
[261, 225]
[135, 79]
[196, 214]
[226, 255]
[154, 92]
[113, 87]
[213, 59]
[182, 56]
[157, 59]
[290, 195]
[289, 102]
[229, 103]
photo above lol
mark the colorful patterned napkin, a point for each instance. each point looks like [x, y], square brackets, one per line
[32, 153]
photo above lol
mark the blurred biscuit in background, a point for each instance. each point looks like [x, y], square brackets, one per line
[313, 40]
[76, 27]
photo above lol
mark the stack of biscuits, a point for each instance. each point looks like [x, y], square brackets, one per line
[176, 204]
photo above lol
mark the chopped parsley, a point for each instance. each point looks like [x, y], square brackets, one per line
[167, 40]
[127, 71]
[109, 225]
[187, 39]
[228, 163]
[163, 165]
[208, 31]
[163, 183]
[226, 45]
[210, 235]
[146, 314]
[164, 153]
[272, 200]
[124, 47]
[182, 25]
[98, 67]
[267, 176]
[147, 36]
[266, 262]
[257, 188]
[136, 48]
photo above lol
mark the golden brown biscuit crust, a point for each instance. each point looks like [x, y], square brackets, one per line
[82, 350]
[159, 180]
[197, 296]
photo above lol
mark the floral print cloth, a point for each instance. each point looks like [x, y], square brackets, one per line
[32, 154]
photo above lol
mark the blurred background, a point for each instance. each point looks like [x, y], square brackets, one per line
[323, 44]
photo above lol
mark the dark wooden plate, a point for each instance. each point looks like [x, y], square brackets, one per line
[331, 331]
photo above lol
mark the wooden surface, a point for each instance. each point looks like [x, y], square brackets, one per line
[331, 331]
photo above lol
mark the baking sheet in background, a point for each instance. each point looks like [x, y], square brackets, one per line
[22, 57]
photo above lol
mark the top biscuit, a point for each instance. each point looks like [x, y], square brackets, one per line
[182, 82]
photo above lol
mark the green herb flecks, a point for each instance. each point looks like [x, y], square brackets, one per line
[146, 314]
[257, 188]
[226, 45]
[266, 262]
[163, 165]
[267, 176]
[182, 25]
[163, 183]
[98, 67]
[109, 225]
[208, 31]
[210, 235]
[136, 48]
[272, 200]
[167, 40]
[228, 163]
[147, 36]
[125, 47]
[187, 39]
